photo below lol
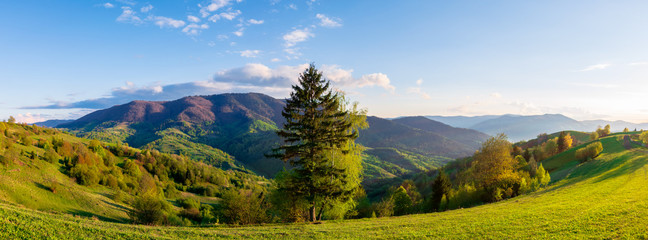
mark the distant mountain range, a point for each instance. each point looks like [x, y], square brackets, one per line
[235, 130]
[518, 127]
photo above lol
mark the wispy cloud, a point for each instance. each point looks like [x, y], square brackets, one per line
[108, 5]
[128, 16]
[328, 22]
[417, 90]
[168, 22]
[254, 21]
[239, 32]
[146, 8]
[638, 64]
[596, 67]
[191, 18]
[194, 29]
[250, 53]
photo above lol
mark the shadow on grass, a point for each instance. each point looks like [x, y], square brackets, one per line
[602, 170]
[102, 218]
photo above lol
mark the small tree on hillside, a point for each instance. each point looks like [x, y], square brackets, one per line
[594, 136]
[402, 202]
[564, 141]
[440, 187]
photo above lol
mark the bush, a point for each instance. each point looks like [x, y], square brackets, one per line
[84, 174]
[148, 209]
[589, 152]
[244, 207]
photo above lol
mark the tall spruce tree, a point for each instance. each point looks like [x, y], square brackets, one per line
[316, 124]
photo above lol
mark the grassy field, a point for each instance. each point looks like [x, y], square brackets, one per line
[606, 198]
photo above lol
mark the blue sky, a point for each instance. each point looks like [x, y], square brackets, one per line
[584, 59]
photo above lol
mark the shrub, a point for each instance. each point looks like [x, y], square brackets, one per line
[589, 152]
[84, 174]
[244, 207]
[148, 209]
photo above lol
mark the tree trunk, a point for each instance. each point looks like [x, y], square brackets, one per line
[319, 215]
[312, 213]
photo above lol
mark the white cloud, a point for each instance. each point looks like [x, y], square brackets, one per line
[254, 21]
[108, 5]
[194, 29]
[344, 78]
[292, 6]
[168, 22]
[230, 15]
[128, 16]
[146, 8]
[328, 22]
[496, 95]
[191, 18]
[217, 4]
[595, 67]
[252, 77]
[239, 32]
[275, 60]
[250, 53]
[417, 90]
[297, 36]
[419, 82]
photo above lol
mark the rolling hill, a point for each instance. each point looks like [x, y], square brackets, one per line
[236, 130]
[602, 198]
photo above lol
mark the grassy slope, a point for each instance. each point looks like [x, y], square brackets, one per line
[27, 182]
[603, 198]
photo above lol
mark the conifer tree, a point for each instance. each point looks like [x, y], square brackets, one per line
[316, 124]
[440, 187]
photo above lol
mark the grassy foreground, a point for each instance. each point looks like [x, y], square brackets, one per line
[604, 198]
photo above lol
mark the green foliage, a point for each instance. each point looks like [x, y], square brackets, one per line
[402, 202]
[564, 141]
[589, 152]
[149, 209]
[84, 174]
[244, 207]
[440, 187]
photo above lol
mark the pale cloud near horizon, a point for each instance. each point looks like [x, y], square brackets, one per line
[253, 77]
[326, 21]
[596, 67]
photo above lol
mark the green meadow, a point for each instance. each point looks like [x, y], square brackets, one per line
[605, 198]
